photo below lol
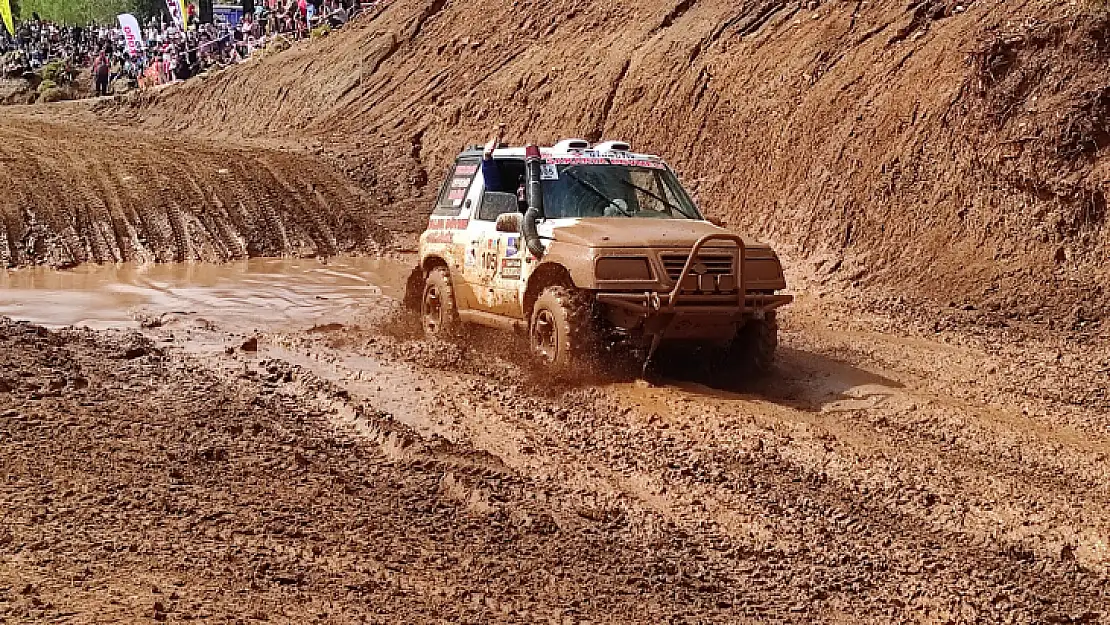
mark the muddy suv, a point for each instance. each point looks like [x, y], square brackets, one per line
[584, 248]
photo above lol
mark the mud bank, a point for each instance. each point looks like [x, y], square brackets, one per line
[948, 151]
[78, 191]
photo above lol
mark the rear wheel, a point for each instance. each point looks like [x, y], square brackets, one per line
[752, 351]
[438, 312]
[562, 332]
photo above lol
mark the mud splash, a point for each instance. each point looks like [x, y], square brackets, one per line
[259, 293]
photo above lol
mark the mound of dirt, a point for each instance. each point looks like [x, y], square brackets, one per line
[78, 192]
[16, 91]
[946, 149]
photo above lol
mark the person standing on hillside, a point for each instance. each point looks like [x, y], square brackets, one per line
[100, 71]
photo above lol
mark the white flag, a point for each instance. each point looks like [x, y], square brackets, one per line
[176, 13]
[131, 34]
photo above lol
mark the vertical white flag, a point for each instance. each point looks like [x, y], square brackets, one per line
[176, 13]
[131, 33]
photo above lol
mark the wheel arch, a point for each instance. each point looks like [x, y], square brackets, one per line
[432, 261]
[545, 275]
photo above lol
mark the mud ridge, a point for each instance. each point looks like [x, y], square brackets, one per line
[74, 194]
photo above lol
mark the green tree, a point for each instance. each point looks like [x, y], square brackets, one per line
[80, 11]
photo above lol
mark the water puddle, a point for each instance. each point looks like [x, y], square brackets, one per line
[254, 294]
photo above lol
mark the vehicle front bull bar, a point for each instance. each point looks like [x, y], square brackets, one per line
[710, 303]
[676, 291]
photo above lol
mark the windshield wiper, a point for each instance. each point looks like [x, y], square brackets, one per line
[589, 185]
[656, 197]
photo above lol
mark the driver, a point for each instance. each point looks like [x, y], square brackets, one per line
[493, 175]
[491, 172]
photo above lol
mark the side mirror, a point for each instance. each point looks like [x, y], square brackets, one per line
[508, 222]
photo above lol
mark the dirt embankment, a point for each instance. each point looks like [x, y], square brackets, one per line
[950, 150]
[76, 191]
[16, 91]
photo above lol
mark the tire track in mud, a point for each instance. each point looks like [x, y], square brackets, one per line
[145, 485]
[831, 514]
[116, 214]
[117, 194]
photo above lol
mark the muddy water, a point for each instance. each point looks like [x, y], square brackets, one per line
[259, 293]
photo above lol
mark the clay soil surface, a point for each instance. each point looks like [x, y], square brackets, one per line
[932, 446]
[352, 472]
[78, 190]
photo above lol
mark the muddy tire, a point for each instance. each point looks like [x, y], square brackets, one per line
[752, 351]
[439, 315]
[414, 290]
[562, 332]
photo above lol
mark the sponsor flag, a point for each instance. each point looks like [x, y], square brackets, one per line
[6, 15]
[177, 15]
[131, 33]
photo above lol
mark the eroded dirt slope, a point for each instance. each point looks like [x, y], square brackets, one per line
[951, 150]
[75, 191]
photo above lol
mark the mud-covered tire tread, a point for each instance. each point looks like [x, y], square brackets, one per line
[451, 324]
[573, 310]
[752, 351]
[414, 290]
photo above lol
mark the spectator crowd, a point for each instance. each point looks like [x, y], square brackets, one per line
[168, 51]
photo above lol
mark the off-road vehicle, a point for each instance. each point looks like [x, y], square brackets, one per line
[584, 248]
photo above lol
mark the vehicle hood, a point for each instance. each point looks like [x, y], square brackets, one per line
[636, 232]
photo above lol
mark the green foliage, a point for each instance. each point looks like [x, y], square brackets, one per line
[53, 95]
[54, 72]
[277, 45]
[47, 85]
[83, 11]
[320, 31]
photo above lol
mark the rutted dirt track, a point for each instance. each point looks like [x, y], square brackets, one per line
[933, 445]
[353, 473]
[76, 191]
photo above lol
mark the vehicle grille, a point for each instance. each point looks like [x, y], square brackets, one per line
[715, 264]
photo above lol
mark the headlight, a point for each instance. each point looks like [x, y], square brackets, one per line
[623, 269]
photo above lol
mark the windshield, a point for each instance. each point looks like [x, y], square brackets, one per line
[614, 191]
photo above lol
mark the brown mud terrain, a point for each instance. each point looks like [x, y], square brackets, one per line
[354, 473]
[269, 440]
[76, 191]
[967, 137]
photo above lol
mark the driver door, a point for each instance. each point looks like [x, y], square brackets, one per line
[493, 260]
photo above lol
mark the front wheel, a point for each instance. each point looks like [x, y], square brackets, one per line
[752, 351]
[562, 331]
[438, 311]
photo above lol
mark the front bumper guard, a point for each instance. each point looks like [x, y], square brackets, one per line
[678, 301]
[651, 302]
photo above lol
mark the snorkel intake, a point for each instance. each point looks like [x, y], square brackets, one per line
[532, 162]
